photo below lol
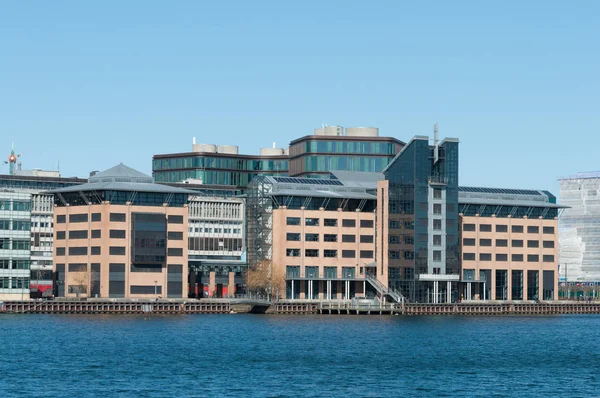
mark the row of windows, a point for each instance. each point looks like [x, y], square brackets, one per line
[295, 237]
[15, 225]
[375, 148]
[531, 258]
[216, 230]
[329, 222]
[112, 250]
[114, 217]
[16, 264]
[329, 253]
[397, 254]
[395, 224]
[531, 229]
[398, 239]
[208, 162]
[213, 177]
[14, 283]
[547, 244]
[14, 244]
[15, 205]
[350, 163]
[312, 271]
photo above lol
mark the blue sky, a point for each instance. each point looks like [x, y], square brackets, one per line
[93, 84]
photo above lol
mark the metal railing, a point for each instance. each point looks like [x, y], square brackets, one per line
[395, 295]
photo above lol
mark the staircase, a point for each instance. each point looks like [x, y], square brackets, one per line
[384, 291]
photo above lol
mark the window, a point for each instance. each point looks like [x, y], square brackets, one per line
[78, 217]
[78, 251]
[348, 238]
[60, 235]
[348, 253]
[501, 228]
[485, 228]
[516, 243]
[174, 252]
[116, 250]
[533, 258]
[501, 257]
[60, 251]
[485, 257]
[21, 225]
[469, 256]
[311, 222]
[311, 272]
[437, 225]
[292, 237]
[330, 253]
[393, 238]
[409, 224]
[78, 234]
[174, 235]
[95, 250]
[348, 223]
[330, 222]
[117, 217]
[147, 289]
[485, 242]
[311, 237]
[469, 274]
[437, 255]
[533, 243]
[96, 233]
[548, 258]
[96, 217]
[409, 255]
[311, 253]
[517, 257]
[155, 268]
[21, 206]
[366, 223]
[469, 227]
[292, 252]
[366, 239]
[501, 242]
[437, 193]
[533, 229]
[409, 240]
[437, 208]
[548, 244]
[293, 221]
[21, 244]
[366, 254]
[394, 224]
[75, 267]
[394, 254]
[175, 219]
[517, 229]
[61, 219]
[117, 234]
[548, 230]
[468, 242]
[437, 240]
[329, 238]
[330, 272]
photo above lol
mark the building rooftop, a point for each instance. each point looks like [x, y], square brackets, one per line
[316, 187]
[121, 173]
[507, 197]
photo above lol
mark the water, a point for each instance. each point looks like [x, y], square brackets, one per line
[251, 355]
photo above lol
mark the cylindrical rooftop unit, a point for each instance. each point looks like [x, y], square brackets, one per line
[230, 149]
[362, 132]
[211, 148]
[286, 151]
[271, 151]
[334, 130]
[320, 131]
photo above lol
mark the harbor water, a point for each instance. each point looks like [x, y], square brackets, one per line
[276, 355]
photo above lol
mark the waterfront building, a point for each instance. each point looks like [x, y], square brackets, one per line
[579, 230]
[122, 236]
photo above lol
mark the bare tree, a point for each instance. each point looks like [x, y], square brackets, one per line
[267, 280]
[81, 280]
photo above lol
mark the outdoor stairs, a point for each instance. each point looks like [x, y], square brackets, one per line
[384, 291]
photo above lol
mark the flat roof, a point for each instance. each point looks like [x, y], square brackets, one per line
[345, 138]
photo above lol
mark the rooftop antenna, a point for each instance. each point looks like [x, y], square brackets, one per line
[12, 160]
[436, 151]
[322, 124]
[273, 144]
[194, 141]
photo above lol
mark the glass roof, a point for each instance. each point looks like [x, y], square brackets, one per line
[500, 190]
[307, 181]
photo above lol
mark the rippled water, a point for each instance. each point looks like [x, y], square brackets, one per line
[261, 355]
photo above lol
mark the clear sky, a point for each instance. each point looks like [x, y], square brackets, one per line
[91, 84]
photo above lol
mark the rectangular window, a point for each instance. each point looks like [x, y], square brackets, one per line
[21, 206]
[501, 228]
[329, 238]
[311, 222]
[78, 217]
[96, 217]
[311, 237]
[366, 254]
[548, 244]
[330, 253]
[533, 243]
[366, 239]
[501, 243]
[469, 256]
[501, 257]
[485, 228]
[151, 289]
[548, 258]
[409, 255]
[292, 252]
[174, 235]
[348, 223]
[394, 254]
[485, 257]
[116, 250]
[437, 208]
[468, 242]
[293, 221]
[533, 258]
[117, 217]
[469, 227]
[531, 229]
[437, 193]
[437, 225]
[516, 243]
[154, 268]
[366, 223]
[548, 230]
[311, 272]
[78, 251]
[60, 235]
[330, 222]
[348, 238]
[21, 225]
[174, 252]
[330, 272]
[393, 224]
[172, 219]
[78, 234]
[348, 253]
[393, 238]
[517, 229]
[485, 242]
[96, 234]
[21, 244]
[437, 240]
[409, 225]
[95, 250]
[311, 253]
[61, 219]
[293, 237]
[410, 240]
[60, 251]
[117, 234]
[76, 267]
[516, 257]
[437, 255]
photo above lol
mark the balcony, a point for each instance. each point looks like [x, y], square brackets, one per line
[437, 180]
